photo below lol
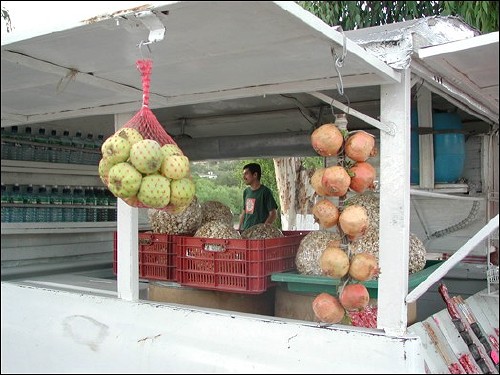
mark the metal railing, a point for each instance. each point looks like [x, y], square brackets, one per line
[460, 254]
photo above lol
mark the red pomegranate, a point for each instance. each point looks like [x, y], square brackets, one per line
[353, 221]
[327, 140]
[360, 145]
[363, 267]
[362, 176]
[327, 308]
[334, 262]
[325, 213]
[316, 182]
[336, 180]
[354, 297]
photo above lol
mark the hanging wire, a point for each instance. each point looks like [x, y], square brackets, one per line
[348, 106]
[339, 63]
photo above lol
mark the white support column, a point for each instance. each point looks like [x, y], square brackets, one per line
[394, 207]
[426, 141]
[128, 240]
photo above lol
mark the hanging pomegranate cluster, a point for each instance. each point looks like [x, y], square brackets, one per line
[351, 173]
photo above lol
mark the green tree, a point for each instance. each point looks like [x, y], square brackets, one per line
[6, 18]
[483, 15]
[211, 190]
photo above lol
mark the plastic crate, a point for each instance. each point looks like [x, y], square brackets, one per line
[312, 284]
[156, 256]
[235, 265]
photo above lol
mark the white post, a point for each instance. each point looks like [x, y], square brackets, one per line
[127, 225]
[394, 207]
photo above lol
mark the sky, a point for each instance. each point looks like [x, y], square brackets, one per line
[31, 18]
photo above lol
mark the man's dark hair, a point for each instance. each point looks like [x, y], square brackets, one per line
[254, 168]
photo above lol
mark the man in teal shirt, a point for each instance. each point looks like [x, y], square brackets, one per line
[259, 205]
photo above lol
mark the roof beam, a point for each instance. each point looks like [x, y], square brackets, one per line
[388, 128]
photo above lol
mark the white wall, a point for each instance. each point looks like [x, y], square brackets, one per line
[45, 330]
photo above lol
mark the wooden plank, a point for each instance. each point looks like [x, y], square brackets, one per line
[486, 321]
[485, 361]
[490, 304]
[457, 344]
[435, 358]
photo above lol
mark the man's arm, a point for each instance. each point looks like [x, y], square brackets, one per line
[271, 217]
[242, 217]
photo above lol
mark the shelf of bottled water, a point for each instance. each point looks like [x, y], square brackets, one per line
[42, 146]
[29, 203]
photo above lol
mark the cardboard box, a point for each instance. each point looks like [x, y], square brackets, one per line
[299, 306]
[262, 304]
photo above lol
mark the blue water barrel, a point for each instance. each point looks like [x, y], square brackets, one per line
[415, 151]
[449, 148]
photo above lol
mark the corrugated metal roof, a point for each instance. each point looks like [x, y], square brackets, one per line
[452, 57]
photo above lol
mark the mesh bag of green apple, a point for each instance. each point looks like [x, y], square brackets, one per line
[142, 164]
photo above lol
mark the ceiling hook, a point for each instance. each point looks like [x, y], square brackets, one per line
[144, 44]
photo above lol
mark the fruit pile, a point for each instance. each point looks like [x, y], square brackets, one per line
[352, 173]
[144, 173]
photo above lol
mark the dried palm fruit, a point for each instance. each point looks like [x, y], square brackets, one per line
[185, 222]
[217, 229]
[310, 249]
[261, 231]
[370, 241]
[214, 210]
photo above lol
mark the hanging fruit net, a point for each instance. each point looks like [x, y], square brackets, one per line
[144, 120]
[142, 164]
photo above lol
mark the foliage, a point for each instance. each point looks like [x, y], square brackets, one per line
[228, 186]
[483, 15]
[313, 162]
[210, 190]
[6, 18]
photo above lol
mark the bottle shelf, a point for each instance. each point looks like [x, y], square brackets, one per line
[50, 205]
[63, 227]
[54, 146]
[47, 173]
[57, 227]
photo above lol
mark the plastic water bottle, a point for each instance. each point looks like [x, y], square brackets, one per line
[102, 200]
[79, 200]
[6, 211]
[43, 201]
[41, 149]
[17, 213]
[65, 150]
[67, 200]
[5, 145]
[77, 142]
[14, 151]
[30, 211]
[91, 200]
[56, 210]
[112, 213]
[28, 150]
[54, 150]
[88, 150]
[97, 147]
